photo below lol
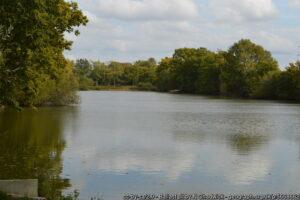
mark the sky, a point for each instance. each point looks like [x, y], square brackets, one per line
[129, 30]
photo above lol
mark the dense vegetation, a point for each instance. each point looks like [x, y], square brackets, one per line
[33, 70]
[92, 75]
[246, 70]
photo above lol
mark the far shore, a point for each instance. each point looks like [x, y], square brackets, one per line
[110, 88]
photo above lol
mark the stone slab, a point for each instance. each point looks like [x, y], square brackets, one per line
[22, 188]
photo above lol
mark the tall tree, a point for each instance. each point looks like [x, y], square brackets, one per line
[186, 66]
[32, 44]
[165, 75]
[83, 69]
[197, 70]
[210, 66]
[246, 66]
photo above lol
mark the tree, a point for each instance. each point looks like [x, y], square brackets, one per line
[186, 67]
[131, 75]
[32, 44]
[83, 69]
[165, 75]
[151, 62]
[146, 71]
[115, 73]
[99, 73]
[246, 66]
[268, 87]
[282, 85]
[288, 83]
[210, 66]
[197, 70]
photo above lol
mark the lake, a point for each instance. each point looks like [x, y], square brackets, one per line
[117, 143]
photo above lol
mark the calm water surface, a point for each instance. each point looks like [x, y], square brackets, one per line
[115, 143]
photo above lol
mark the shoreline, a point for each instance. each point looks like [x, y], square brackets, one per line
[135, 89]
[110, 88]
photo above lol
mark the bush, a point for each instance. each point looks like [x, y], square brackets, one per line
[267, 88]
[146, 86]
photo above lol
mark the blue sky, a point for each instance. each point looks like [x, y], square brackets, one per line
[128, 30]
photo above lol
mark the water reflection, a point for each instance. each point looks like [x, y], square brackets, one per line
[133, 142]
[245, 143]
[154, 143]
[31, 146]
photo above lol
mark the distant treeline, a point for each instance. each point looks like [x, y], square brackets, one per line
[141, 74]
[246, 70]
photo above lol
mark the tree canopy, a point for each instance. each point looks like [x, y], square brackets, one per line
[283, 85]
[245, 70]
[33, 70]
[246, 65]
[140, 74]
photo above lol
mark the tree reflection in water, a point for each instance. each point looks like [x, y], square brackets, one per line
[245, 143]
[31, 146]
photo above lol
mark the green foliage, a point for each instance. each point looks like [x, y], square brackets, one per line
[267, 89]
[146, 86]
[191, 71]
[146, 71]
[247, 64]
[186, 66]
[284, 85]
[83, 67]
[115, 73]
[210, 66]
[66, 85]
[246, 70]
[99, 74]
[32, 44]
[83, 70]
[165, 75]
[93, 75]
[288, 85]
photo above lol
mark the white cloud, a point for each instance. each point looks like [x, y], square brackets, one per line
[243, 10]
[294, 3]
[146, 9]
[275, 42]
[128, 30]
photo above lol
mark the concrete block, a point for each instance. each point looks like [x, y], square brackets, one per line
[21, 188]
